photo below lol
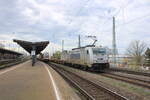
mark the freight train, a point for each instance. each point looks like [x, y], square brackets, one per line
[88, 57]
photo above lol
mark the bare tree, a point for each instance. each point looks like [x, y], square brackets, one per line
[136, 50]
[147, 57]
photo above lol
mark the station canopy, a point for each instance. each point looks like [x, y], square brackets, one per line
[28, 46]
[6, 51]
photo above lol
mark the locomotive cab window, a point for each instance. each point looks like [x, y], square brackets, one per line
[99, 51]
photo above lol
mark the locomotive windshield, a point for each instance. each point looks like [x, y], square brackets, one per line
[99, 51]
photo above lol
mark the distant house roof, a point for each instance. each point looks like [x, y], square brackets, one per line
[28, 45]
[2, 50]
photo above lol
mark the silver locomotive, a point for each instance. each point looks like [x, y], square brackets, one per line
[88, 57]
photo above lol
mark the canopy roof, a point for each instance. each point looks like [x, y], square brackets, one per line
[2, 50]
[28, 46]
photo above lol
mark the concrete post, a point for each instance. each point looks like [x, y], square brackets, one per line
[33, 54]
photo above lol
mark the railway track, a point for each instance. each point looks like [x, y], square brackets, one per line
[89, 89]
[130, 71]
[135, 81]
[129, 79]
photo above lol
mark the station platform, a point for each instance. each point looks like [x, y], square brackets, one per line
[41, 82]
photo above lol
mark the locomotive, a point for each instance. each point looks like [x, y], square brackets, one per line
[44, 56]
[89, 57]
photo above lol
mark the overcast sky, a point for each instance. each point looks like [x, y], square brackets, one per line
[57, 20]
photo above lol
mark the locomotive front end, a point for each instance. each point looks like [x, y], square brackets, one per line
[100, 58]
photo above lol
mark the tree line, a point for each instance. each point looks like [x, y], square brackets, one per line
[140, 53]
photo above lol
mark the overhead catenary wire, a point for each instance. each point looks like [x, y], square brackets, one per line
[86, 3]
[130, 21]
[116, 14]
[80, 10]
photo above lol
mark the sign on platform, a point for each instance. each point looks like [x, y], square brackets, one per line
[33, 52]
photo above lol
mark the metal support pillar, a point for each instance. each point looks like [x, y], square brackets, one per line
[79, 45]
[33, 54]
[114, 43]
[62, 45]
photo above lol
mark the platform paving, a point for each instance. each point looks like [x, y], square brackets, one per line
[24, 82]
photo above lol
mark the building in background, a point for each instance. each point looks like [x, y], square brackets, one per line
[121, 60]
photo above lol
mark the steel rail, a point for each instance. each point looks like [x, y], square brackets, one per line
[130, 80]
[130, 71]
[99, 91]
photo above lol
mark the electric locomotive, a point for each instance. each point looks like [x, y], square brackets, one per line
[88, 57]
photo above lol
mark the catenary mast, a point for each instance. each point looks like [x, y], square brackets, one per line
[114, 48]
